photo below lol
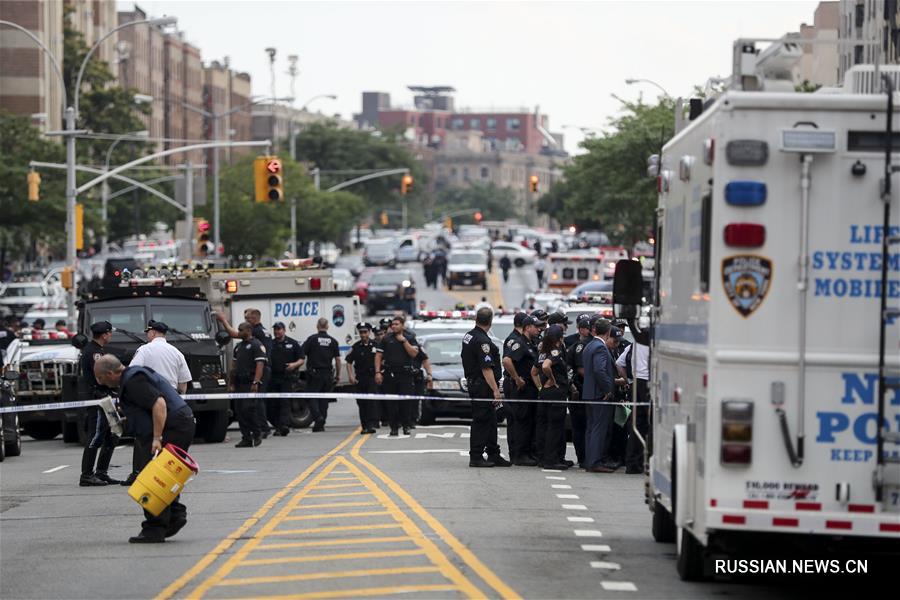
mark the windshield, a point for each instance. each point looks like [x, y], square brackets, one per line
[470, 258]
[20, 292]
[444, 352]
[501, 330]
[389, 278]
[187, 319]
[381, 248]
[129, 318]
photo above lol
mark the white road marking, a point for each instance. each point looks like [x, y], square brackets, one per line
[618, 586]
[568, 496]
[422, 436]
[588, 533]
[556, 477]
[424, 451]
[561, 486]
[574, 506]
[580, 519]
[609, 566]
[595, 547]
[550, 471]
[55, 469]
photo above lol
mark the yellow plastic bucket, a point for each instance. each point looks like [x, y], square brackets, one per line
[160, 482]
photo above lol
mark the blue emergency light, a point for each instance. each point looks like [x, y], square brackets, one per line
[745, 193]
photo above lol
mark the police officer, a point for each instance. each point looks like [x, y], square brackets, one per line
[321, 351]
[253, 316]
[554, 382]
[100, 438]
[519, 355]
[395, 371]
[247, 372]
[384, 325]
[156, 415]
[514, 337]
[481, 366]
[361, 372]
[287, 357]
[577, 411]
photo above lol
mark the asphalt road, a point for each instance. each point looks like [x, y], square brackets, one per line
[336, 514]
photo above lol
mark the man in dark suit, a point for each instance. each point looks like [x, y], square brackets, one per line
[599, 383]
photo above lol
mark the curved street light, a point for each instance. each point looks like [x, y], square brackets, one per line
[104, 195]
[651, 82]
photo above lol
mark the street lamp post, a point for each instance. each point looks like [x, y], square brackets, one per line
[651, 82]
[104, 239]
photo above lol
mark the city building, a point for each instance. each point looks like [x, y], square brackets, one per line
[276, 121]
[94, 20]
[140, 58]
[819, 64]
[223, 91]
[462, 147]
[868, 21]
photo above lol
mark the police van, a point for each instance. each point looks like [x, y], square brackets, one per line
[774, 338]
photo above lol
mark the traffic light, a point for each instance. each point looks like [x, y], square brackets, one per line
[406, 184]
[34, 186]
[448, 223]
[79, 226]
[477, 216]
[268, 180]
[67, 278]
[533, 183]
[384, 218]
[204, 246]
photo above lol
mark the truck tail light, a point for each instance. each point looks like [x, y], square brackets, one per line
[745, 235]
[231, 286]
[315, 283]
[737, 432]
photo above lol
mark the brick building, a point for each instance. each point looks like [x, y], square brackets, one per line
[225, 90]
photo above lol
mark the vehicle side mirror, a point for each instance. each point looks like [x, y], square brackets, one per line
[11, 376]
[222, 337]
[80, 341]
[628, 289]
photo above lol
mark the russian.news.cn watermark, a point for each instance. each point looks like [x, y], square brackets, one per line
[796, 566]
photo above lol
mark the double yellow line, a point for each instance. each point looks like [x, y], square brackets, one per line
[358, 484]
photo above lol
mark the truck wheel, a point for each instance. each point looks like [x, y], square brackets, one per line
[43, 430]
[301, 417]
[519, 262]
[213, 426]
[426, 415]
[663, 526]
[690, 556]
[12, 439]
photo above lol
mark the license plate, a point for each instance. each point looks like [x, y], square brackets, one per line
[35, 376]
[446, 385]
[467, 281]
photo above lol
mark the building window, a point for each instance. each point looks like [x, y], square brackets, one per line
[456, 124]
[513, 124]
[466, 173]
[491, 124]
[860, 15]
[453, 172]
[475, 124]
[857, 55]
[485, 173]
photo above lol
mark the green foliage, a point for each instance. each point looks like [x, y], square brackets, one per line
[262, 229]
[495, 203]
[806, 86]
[607, 188]
[20, 142]
[331, 148]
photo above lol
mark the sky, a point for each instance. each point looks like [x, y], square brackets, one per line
[568, 58]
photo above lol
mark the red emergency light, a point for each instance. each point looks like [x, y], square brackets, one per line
[745, 235]
[315, 283]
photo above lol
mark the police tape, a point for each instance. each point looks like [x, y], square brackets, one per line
[307, 395]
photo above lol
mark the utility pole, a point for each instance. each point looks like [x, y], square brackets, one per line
[189, 208]
[293, 72]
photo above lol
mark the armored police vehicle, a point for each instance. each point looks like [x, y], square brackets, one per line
[774, 345]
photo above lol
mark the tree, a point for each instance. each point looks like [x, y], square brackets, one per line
[495, 203]
[263, 229]
[607, 188]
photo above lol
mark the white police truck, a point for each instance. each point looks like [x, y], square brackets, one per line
[774, 338]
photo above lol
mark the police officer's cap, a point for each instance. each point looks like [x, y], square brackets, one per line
[364, 326]
[157, 326]
[558, 318]
[583, 321]
[615, 333]
[540, 315]
[385, 322]
[519, 319]
[528, 321]
[278, 325]
[101, 327]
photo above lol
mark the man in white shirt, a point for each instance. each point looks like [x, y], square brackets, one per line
[162, 357]
[634, 452]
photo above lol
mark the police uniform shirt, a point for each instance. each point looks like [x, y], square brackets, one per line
[320, 349]
[91, 353]
[246, 355]
[512, 339]
[558, 367]
[284, 351]
[394, 352]
[523, 354]
[420, 358]
[478, 352]
[260, 333]
[571, 340]
[362, 357]
[574, 360]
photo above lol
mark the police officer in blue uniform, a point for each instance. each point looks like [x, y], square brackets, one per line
[323, 368]
[247, 373]
[286, 358]
[361, 372]
[395, 372]
[577, 412]
[100, 439]
[155, 415]
[481, 366]
[518, 357]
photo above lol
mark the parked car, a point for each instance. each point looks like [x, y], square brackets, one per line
[518, 254]
[408, 250]
[467, 267]
[362, 283]
[343, 279]
[328, 252]
[390, 289]
[18, 297]
[449, 394]
[380, 253]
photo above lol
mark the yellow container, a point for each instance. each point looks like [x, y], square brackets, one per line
[164, 477]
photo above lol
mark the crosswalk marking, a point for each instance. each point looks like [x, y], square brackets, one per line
[328, 575]
[343, 515]
[327, 557]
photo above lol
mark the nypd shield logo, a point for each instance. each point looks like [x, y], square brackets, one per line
[746, 279]
[337, 315]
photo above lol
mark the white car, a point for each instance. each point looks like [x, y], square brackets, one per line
[467, 267]
[18, 297]
[343, 279]
[518, 255]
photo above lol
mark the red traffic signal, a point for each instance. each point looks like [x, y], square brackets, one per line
[478, 216]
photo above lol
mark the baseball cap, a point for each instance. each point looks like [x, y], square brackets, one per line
[528, 321]
[539, 316]
[156, 326]
[583, 320]
[101, 327]
[558, 318]
[278, 325]
[519, 319]
[615, 333]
